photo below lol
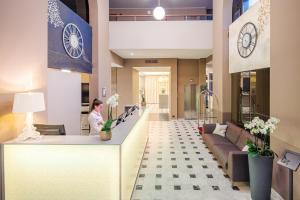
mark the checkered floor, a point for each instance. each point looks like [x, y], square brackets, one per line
[178, 166]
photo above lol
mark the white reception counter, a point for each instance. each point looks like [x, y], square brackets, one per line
[76, 167]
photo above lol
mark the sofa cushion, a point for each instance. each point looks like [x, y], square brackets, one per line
[220, 129]
[214, 139]
[233, 132]
[244, 137]
[209, 128]
[222, 152]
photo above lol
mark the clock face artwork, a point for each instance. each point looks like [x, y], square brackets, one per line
[247, 40]
[72, 40]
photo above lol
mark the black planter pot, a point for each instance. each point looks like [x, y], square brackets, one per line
[260, 171]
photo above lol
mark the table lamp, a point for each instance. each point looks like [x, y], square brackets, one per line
[28, 103]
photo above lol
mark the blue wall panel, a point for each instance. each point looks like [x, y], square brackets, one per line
[245, 5]
[59, 17]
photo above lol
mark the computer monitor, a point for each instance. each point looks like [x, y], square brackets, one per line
[130, 110]
[121, 118]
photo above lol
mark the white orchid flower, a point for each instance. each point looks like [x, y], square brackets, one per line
[113, 100]
[257, 125]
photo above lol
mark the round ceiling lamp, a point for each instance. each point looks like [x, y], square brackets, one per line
[159, 12]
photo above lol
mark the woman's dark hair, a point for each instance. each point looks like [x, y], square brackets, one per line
[96, 102]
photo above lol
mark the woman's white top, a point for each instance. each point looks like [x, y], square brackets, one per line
[96, 123]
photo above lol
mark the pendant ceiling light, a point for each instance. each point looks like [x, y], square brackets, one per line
[159, 12]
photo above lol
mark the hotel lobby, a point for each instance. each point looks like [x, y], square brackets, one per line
[149, 100]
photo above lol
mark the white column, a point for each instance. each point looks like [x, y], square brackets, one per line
[222, 13]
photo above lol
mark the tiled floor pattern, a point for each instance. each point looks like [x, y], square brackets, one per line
[178, 166]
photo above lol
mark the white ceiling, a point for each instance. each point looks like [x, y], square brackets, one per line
[152, 69]
[154, 73]
[164, 53]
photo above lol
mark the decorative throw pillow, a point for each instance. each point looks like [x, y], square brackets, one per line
[245, 148]
[220, 129]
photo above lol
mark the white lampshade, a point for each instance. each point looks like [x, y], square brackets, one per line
[159, 13]
[28, 102]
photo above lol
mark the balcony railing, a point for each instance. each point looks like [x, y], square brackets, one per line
[170, 17]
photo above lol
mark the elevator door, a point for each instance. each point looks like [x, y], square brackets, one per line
[190, 101]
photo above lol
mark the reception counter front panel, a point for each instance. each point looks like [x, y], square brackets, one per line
[76, 167]
[61, 172]
[132, 151]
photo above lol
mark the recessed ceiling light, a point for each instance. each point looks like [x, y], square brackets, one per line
[65, 70]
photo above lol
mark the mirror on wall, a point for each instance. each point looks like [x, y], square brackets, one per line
[250, 95]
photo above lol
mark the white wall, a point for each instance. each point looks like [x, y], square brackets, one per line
[222, 12]
[160, 35]
[23, 59]
[64, 100]
[260, 58]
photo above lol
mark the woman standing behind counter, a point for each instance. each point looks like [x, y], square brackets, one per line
[95, 118]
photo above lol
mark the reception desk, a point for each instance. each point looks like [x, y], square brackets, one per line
[76, 167]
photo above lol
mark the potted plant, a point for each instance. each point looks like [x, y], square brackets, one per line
[105, 133]
[260, 157]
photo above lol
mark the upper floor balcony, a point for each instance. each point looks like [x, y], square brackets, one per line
[172, 14]
[185, 31]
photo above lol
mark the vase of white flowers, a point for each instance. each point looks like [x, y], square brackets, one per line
[260, 157]
[105, 133]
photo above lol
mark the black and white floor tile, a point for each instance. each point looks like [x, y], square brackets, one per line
[178, 166]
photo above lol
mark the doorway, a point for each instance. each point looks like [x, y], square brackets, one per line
[190, 101]
[154, 88]
[250, 95]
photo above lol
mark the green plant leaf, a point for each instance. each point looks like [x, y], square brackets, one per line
[107, 125]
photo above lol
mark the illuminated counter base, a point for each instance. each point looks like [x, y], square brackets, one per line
[76, 168]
